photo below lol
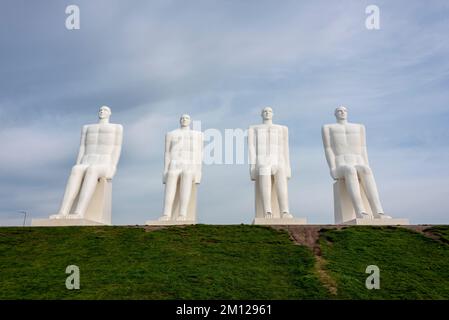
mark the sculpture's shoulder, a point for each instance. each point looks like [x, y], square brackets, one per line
[197, 134]
[179, 132]
[355, 127]
[90, 126]
[282, 127]
[255, 126]
[172, 133]
[116, 126]
[329, 126]
[265, 126]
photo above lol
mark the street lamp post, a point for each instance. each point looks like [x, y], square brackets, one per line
[24, 217]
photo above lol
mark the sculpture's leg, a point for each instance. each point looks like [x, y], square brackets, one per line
[184, 193]
[353, 187]
[72, 189]
[369, 184]
[282, 190]
[170, 193]
[265, 190]
[93, 173]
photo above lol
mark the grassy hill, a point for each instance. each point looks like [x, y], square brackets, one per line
[223, 262]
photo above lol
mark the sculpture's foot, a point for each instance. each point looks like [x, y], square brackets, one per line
[363, 215]
[182, 218]
[268, 215]
[75, 216]
[58, 216]
[287, 215]
[165, 218]
[382, 215]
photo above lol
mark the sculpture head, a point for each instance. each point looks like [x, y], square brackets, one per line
[104, 112]
[267, 113]
[184, 121]
[341, 113]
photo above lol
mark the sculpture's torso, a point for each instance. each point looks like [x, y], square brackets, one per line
[184, 149]
[99, 143]
[269, 143]
[346, 141]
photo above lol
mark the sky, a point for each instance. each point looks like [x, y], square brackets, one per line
[222, 62]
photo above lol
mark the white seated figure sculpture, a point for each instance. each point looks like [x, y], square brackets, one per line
[182, 174]
[356, 199]
[270, 169]
[87, 198]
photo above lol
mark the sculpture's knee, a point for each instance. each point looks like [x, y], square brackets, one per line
[349, 171]
[364, 170]
[78, 170]
[265, 171]
[187, 175]
[92, 172]
[280, 172]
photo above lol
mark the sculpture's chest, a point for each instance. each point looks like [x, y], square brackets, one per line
[183, 141]
[100, 134]
[346, 137]
[269, 135]
[347, 131]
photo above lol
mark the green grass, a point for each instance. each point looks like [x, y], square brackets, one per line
[221, 262]
[412, 266]
[195, 262]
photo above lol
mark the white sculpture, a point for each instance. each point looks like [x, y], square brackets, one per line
[355, 191]
[88, 192]
[182, 174]
[270, 169]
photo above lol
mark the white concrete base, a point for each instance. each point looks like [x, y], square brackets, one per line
[98, 212]
[100, 205]
[169, 222]
[280, 221]
[63, 222]
[343, 209]
[377, 222]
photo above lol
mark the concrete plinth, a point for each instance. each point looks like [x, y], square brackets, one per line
[280, 221]
[63, 222]
[169, 223]
[377, 222]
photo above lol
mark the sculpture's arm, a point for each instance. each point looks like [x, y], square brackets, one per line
[166, 157]
[117, 150]
[199, 158]
[252, 153]
[287, 154]
[330, 156]
[364, 148]
[82, 145]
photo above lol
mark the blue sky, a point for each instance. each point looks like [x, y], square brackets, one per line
[221, 62]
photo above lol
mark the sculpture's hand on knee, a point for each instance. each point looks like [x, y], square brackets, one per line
[334, 173]
[111, 173]
[253, 172]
